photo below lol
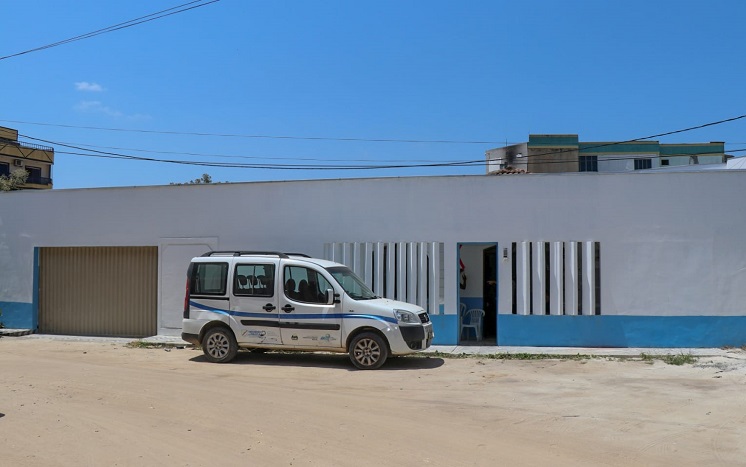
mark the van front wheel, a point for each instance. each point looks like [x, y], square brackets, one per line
[368, 351]
[219, 345]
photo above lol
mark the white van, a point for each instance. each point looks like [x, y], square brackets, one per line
[270, 300]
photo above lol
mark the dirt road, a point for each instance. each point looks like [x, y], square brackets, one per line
[95, 404]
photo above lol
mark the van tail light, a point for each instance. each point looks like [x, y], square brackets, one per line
[186, 300]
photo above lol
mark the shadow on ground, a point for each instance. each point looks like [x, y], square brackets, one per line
[324, 360]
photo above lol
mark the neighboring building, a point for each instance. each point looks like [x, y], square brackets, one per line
[640, 259]
[564, 153]
[35, 159]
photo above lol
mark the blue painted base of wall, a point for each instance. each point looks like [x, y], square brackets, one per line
[621, 331]
[445, 328]
[18, 315]
[606, 331]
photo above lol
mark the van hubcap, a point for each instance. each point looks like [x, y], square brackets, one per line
[217, 345]
[367, 352]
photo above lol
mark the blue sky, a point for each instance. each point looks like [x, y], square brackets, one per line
[491, 71]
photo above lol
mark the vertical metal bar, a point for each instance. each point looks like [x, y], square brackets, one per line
[422, 274]
[539, 283]
[571, 278]
[390, 270]
[434, 274]
[412, 272]
[523, 269]
[589, 279]
[378, 269]
[367, 254]
[401, 266]
[556, 298]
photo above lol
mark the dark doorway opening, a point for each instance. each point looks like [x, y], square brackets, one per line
[489, 292]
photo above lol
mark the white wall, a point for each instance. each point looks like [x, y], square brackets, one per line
[672, 243]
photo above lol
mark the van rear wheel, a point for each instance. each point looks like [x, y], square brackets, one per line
[368, 351]
[219, 345]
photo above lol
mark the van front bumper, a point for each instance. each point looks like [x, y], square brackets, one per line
[417, 337]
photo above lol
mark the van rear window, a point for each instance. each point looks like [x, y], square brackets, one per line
[208, 279]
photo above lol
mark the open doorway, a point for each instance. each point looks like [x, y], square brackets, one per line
[478, 291]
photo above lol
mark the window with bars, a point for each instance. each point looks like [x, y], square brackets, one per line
[555, 278]
[588, 163]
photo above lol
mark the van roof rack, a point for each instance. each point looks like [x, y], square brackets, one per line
[303, 255]
[245, 253]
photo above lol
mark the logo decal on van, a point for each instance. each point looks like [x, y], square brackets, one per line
[327, 338]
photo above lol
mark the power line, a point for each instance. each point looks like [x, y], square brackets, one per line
[127, 24]
[270, 166]
[235, 135]
[106, 154]
[233, 156]
[353, 139]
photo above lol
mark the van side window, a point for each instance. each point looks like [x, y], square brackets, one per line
[254, 280]
[305, 285]
[209, 279]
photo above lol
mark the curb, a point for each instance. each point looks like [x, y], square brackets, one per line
[14, 332]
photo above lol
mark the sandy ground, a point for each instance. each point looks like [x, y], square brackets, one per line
[102, 403]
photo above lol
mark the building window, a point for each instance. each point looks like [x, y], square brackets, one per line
[641, 164]
[665, 162]
[589, 163]
[34, 174]
[4, 168]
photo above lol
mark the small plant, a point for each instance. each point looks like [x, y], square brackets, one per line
[538, 356]
[647, 358]
[679, 359]
[505, 356]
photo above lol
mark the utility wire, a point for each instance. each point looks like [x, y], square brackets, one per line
[390, 166]
[127, 24]
[233, 135]
[233, 156]
[376, 140]
[269, 166]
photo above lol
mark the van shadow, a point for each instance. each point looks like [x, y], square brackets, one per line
[326, 360]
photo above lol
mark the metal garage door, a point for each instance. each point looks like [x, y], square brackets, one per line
[98, 291]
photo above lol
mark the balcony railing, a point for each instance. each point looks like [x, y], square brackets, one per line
[26, 145]
[39, 180]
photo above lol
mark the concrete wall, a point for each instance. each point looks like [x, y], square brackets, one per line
[672, 243]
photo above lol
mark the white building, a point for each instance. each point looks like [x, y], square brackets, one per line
[627, 259]
[565, 153]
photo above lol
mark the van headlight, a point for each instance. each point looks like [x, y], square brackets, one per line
[406, 317]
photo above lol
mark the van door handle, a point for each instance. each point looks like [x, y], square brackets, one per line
[288, 308]
[268, 307]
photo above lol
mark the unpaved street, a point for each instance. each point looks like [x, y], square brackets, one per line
[102, 403]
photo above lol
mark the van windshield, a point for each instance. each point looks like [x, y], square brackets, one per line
[352, 284]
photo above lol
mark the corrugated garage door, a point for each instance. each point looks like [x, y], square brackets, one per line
[98, 291]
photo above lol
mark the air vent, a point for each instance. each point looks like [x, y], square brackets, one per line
[17, 162]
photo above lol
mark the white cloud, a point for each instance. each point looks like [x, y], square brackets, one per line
[88, 87]
[97, 107]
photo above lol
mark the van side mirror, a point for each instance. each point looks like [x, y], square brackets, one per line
[331, 297]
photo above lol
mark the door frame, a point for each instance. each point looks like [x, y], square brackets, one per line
[474, 267]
